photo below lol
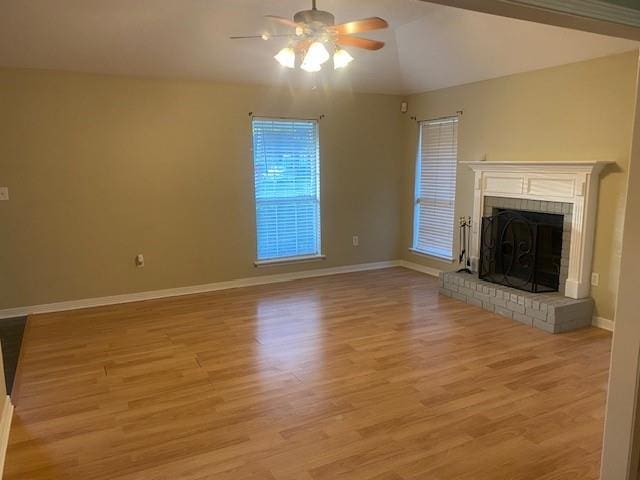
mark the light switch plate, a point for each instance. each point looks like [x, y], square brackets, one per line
[595, 279]
[4, 193]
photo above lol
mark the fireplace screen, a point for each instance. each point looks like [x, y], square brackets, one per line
[522, 250]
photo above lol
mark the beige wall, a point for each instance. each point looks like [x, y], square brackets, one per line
[582, 111]
[621, 450]
[102, 168]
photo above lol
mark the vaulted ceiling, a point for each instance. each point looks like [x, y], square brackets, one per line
[428, 46]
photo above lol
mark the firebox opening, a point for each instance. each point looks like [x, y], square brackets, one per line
[522, 249]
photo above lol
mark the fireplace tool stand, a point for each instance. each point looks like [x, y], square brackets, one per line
[465, 236]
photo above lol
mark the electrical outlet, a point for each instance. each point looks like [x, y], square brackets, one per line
[4, 193]
[139, 260]
[595, 279]
[356, 241]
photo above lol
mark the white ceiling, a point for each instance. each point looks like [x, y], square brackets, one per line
[428, 46]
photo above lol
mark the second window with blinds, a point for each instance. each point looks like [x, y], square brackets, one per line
[435, 188]
[287, 189]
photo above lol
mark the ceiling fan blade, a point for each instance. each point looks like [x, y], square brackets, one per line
[359, 42]
[364, 25]
[282, 20]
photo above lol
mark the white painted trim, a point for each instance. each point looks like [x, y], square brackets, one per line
[603, 323]
[434, 272]
[569, 182]
[174, 292]
[528, 166]
[289, 260]
[5, 427]
[598, 322]
[590, 9]
[431, 255]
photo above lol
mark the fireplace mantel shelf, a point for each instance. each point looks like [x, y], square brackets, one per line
[574, 182]
[591, 166]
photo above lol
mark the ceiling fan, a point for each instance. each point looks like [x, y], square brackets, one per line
[316, 34]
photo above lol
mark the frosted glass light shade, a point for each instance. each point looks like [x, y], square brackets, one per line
[310, 67]
[316, 55]
[286, 57]
[341, 59]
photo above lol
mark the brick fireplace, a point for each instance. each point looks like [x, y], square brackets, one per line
[566, 189]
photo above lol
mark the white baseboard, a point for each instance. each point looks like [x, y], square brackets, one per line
[175, 292]
[5, 427]
[434, 272]
[598, 322]
[603, 323]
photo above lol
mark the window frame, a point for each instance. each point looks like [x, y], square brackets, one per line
[292, 258]
[417, 194]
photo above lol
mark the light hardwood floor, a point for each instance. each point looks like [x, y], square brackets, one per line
[359, 376]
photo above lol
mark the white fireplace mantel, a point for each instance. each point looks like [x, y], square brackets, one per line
[569, 182]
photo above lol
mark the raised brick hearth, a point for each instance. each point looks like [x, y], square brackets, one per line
[551, 312]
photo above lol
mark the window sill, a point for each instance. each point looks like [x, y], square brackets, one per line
[431, 255]
[288, 260]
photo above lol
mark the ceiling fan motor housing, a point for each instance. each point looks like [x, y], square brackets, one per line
[311, 16]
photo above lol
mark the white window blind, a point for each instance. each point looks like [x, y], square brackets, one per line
[287, 193]
[435, 188]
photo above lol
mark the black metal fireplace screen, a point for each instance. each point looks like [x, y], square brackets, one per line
[522, 250]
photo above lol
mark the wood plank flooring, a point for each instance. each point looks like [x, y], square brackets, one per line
[368, 375]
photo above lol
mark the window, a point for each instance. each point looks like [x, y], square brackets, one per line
[286, 172]
[435, 189]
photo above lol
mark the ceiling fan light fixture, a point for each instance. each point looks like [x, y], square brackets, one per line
[310, 67]
[315, 38]
[286, 57]
[341, 58]
[317, 54]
